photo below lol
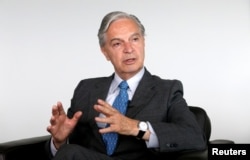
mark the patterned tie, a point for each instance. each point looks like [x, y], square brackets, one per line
[120, 103]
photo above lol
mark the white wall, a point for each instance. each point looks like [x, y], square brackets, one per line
[47, 47]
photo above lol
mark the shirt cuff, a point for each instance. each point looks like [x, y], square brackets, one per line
[52, 147]
[153, 141]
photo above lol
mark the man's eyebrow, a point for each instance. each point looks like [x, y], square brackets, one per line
[115, 39]
[135, 34]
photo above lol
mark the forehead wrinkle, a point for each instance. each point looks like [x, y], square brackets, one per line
[119, 39]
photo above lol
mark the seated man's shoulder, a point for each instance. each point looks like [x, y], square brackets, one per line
[161, 81]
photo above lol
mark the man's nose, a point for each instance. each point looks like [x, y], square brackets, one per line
[128, 47]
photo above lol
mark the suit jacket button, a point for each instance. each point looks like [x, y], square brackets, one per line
[171, 145]
[168, 145]
[174, 145]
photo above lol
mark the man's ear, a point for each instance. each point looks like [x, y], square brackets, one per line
[105, 53]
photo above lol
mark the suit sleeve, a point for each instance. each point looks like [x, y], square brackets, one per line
[180, 131]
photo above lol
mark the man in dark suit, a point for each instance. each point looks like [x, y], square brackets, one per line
[156, 119]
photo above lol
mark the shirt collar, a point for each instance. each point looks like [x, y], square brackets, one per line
[132, 82]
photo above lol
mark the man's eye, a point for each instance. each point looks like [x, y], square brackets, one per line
[135, 39]
[116, 44]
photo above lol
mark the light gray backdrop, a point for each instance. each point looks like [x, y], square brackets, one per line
[47, 47]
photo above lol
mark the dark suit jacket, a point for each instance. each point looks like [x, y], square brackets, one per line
[156, 100]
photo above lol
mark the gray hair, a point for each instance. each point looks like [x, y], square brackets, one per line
[113, 16]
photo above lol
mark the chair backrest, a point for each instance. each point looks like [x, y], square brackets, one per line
[203, 120]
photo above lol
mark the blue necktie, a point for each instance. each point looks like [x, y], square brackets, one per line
[120, 103]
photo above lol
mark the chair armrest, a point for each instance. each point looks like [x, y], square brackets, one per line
[202, 155]
[24, 149]
[195, 155]
[221, 141]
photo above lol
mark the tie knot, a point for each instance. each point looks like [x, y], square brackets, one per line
[123, 85]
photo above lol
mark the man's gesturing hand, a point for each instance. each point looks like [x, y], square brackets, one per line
[60, 125]
[117, 122]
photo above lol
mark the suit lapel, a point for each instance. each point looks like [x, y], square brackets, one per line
[99, 92]
[143, 94]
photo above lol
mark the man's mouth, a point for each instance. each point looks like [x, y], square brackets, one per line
[129, 61]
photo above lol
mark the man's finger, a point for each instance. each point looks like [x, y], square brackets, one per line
[60, 108]
[104, 110]
[57, 109]
[77, 116]
[105, 130]
[103, 120]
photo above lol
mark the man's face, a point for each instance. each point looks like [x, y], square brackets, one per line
[124, 47]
